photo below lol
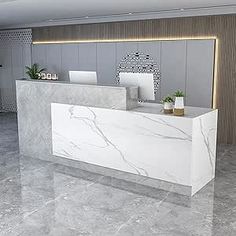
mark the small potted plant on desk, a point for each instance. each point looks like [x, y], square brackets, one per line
[168, 102]
[34, 72]
[179, 103]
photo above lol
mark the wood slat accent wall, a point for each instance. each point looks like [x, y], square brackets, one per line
[223, 27]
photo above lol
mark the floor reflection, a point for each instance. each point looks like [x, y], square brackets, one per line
[41, 198]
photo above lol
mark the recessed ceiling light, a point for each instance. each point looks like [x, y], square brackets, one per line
[181, 9]
[86, 17]
[130, 13]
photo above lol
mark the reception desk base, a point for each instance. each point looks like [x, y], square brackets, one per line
[165, 150]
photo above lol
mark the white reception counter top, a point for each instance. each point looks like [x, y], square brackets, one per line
[155, 108]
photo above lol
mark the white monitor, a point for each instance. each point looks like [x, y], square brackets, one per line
[83, 77]
[143, 80]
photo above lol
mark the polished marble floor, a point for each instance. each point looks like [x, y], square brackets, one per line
[40, 198]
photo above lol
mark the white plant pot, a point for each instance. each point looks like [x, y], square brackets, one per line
[179, 103]
[168, 107]
[179, 106]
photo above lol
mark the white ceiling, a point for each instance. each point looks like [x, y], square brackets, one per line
[23, 12]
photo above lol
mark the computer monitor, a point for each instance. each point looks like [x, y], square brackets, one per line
[83, 77]
[143, 80]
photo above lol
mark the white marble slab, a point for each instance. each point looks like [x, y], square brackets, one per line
[179, 150]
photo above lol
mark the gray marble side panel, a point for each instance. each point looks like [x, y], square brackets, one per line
[112, 97]
[131, 98]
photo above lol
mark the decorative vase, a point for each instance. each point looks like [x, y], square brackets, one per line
[54, 77]
[49, 76]
[168, 107]
[43, 76]
[179, 106]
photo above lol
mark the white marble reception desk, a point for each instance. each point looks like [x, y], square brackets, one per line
[143, 141]
[102, 129]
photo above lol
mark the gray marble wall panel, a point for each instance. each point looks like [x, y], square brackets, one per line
[54, 58]
[184, 64]
[199, 72]
[106, 63]
[39, 55]
[87, 57]
[69, 59]
[173, 66]
[154, 50]
[26, 56]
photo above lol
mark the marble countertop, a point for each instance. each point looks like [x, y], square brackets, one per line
[155, 108]
[113, 86]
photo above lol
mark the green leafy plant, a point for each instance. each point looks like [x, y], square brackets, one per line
[167, 99]
[34, 71]
[179, 93]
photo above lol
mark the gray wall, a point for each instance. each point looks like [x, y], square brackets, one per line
[184, 64]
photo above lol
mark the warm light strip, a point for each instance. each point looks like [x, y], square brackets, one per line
[124, 40]
[215, 82]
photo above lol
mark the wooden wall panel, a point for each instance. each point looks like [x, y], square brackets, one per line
[224, 27]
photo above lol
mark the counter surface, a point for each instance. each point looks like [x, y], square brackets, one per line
[99, 85]
[154, 108]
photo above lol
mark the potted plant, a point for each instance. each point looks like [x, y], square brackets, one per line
[168, 102]
[34, 71]
[179, 103]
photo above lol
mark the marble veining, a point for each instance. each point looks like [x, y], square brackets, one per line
[165, 123]
[102, 136]
[206, 138]
[204, 154]
[139, 143]
[92, 124]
